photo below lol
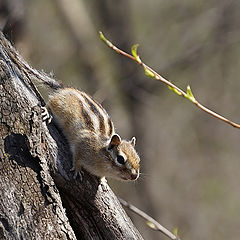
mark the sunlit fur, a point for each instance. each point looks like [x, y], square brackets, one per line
[89, 130]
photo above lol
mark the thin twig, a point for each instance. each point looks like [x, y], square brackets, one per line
[150, 72]
[152, 223]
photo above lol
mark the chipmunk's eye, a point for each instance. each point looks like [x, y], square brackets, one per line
[120, 159]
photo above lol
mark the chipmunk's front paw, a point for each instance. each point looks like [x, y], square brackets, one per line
[46, 117]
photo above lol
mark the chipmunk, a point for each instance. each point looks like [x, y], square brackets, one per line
[90, 132]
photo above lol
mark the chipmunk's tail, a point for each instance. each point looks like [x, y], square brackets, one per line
[45, 79]
[39, 76]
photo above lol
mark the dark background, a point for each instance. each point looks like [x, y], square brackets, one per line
[190, 161]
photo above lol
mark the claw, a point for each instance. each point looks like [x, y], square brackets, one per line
[46, 117]
[72, 169]
[76, 173]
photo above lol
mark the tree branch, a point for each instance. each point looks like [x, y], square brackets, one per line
[152, 223]
[151, 73]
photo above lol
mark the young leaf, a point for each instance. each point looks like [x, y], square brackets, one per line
[151, 225]
[102, 37]
[134, 53]
[190, 95]
[175, 231]
[149, 73]
[174, 90]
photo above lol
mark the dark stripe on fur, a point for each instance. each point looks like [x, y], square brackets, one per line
[94, 109]
[110, 124]
[86, 118]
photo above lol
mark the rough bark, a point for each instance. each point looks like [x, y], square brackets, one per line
[35, 179]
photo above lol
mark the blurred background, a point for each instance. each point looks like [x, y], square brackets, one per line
[190, 161]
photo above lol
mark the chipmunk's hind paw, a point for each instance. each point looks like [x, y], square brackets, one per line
[76, 173]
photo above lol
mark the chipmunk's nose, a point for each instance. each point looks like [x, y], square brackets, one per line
[134, 174]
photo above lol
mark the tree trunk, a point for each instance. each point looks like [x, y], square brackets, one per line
[36, 183]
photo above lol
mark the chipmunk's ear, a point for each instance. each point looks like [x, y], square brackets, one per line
[115, 140]
[133, 141]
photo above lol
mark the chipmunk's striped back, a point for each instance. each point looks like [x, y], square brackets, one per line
[93, 112]
[78, 111]
[91, 136]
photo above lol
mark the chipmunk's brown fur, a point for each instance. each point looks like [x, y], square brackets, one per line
[91, 134]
